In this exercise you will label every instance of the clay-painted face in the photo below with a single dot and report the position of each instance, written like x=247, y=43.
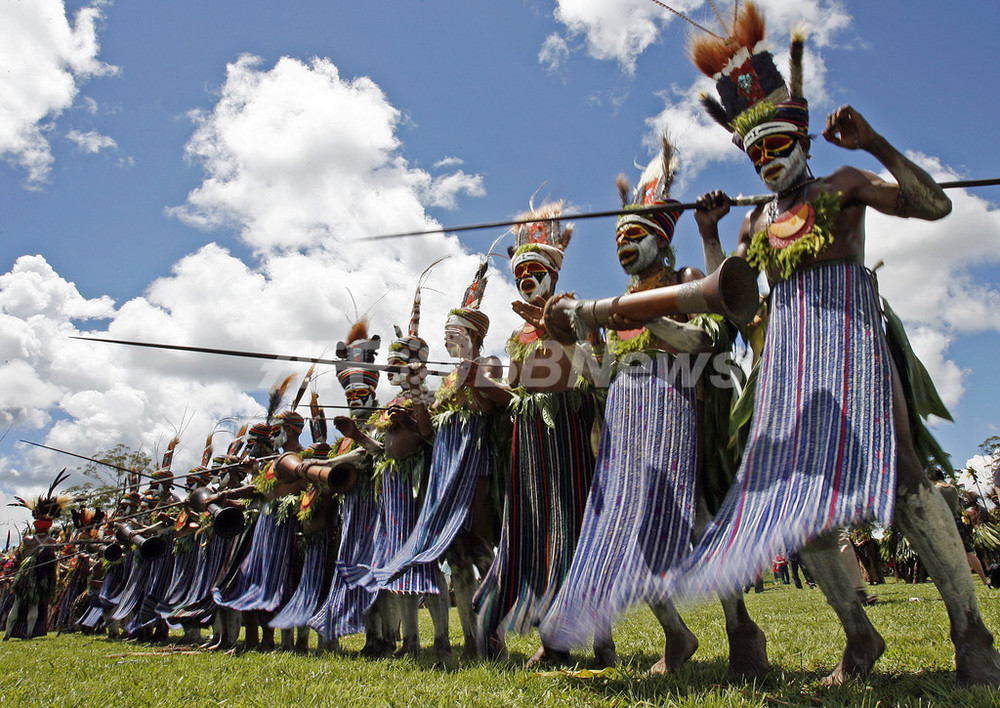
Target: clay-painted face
x=638, y=248
x=457, y=341
x=533, y=280
x=280, y=438
x=398, y=358
x=779, y=159
x=360, y=400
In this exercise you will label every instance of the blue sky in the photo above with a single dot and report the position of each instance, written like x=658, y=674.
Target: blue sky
x=194, y=173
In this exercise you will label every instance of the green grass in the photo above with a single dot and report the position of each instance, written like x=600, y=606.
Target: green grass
x=804, y=643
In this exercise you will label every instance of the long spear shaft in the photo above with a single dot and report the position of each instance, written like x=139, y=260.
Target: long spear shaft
x=339, y=363
x=142, y=474
x=752, y=200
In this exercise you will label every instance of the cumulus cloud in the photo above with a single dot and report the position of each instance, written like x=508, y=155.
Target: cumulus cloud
x=46, y=57
x=299, y=162
x=91, y=142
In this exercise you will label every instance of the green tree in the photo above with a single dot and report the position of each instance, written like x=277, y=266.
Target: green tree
x=108, y=479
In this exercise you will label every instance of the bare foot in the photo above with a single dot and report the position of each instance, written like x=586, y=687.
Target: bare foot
x=442, y=649
x=676, y=651
x=748, y=653
x=547, y=656
x=859, y=658
x=976, y=660
x=605, y=656
x=410, y=647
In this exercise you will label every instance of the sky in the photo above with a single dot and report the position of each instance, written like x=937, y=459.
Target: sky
x=198, y=173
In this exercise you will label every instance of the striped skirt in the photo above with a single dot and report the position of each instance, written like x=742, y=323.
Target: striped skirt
x=135, y=587
x=264, y=572
x=460, y=457
x=198, y=606
x=187, y=569
x=551, y=472
x=640, y=512
x=397, y=517
x=822, y=447
x=352, y=588
x=302, y=605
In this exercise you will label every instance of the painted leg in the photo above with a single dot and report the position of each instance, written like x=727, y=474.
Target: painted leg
x=929, y=526
x=287, y=639
x=302, y=643
x=15, y=612
x=463, y=584
x=408, y=605
x=251, y=638
x=605, y=655
x=439, y=606
x=747, y=643
x=864, y=644
x=679, y=641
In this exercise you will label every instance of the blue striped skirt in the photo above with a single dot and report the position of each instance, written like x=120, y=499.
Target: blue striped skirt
x=460, y=457
x=302, y=605
x=551, y=473
x=352, y=589
x=640, y=512
x=264, y=571
x=397, y=518
x=822, y=447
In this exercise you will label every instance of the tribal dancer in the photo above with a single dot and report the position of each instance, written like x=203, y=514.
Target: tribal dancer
x=404, y=432
x=458, y=518
x=641, y=513
x=35, y=580
x=261, y=584
x=313, y=546
x=79, y=570
x=350, y=605
x=832, y=440
x=552, y=463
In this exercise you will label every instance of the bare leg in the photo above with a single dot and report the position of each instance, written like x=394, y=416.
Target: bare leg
x=15, y=612
x=605, y=654
x=439, y=606
x=679, y=641
x=408, y=615
x=864, y=644
x=302, y=645
x=977, y=566
x=747, y=643
x=929, y=526
x=287, y=639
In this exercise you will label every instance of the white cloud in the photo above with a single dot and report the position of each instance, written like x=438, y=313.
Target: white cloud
x=300, y=162
x=91, y=142
x=45, y=58
x=449, y=162
x=553, y=53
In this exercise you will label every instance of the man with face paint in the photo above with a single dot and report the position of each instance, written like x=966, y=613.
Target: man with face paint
x=354, y=603
x=832, y=439
x=458, y=516
x=648, y=494
x=552, y=460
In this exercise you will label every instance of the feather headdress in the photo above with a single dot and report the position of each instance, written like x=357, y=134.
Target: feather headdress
x=469, y=315
x=47, y=506
x=544, y=241
x=754, y=100
x=653, y=189
x=411, y=347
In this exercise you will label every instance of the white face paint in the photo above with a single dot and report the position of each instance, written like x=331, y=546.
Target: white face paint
x=532, y=285
x=637, y=248
x=281, y=438
x=396, y=378
x=782, y=172
x=457, y=341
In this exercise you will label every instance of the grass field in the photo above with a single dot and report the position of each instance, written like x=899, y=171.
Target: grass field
x=804, y=643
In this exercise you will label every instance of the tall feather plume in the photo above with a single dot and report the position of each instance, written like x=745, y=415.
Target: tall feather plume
x=318, y=423
x=711, y=53
x=168, y=456
x=624, y=189
x=234, y=446
x=302, y=387
x=206, y=455
x=714, y=109
x=60, y=478
x=275, y=395
x=358, y=331
x=412, y=330
x=799, y=36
